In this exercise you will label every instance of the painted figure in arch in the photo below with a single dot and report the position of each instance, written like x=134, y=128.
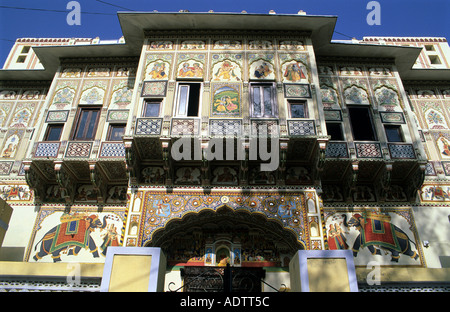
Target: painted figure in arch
x=158, y=71
x=263, y=70
x=226, y=72
x=295, y=72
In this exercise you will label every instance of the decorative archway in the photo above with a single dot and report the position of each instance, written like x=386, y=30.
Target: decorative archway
x=288, y=209
x=248, y=239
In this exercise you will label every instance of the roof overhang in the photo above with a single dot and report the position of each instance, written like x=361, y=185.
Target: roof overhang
x=134, y=24
x=50, y=57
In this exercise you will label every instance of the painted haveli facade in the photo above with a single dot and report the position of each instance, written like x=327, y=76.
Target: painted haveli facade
x=359, y=131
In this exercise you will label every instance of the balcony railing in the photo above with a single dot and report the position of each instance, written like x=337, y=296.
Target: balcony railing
x=112, y=150
x=47, y=150
x=148, y=126
x=336, y=150
x=301, y=127
x=402, y=151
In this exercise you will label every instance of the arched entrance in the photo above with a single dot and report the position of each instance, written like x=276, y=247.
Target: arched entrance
x=249, y=239
x=211, y=240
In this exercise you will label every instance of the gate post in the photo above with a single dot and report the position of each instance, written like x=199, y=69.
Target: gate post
x=134, y=269
x=227, y=279
x=323, y=270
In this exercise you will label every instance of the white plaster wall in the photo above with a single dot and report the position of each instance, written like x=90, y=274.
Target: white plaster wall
x=19, y=232
x=433, y=225
x=175, y=277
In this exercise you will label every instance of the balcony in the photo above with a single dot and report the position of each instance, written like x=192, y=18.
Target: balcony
x=64, y=168
x=387, y=171
x=149, y=150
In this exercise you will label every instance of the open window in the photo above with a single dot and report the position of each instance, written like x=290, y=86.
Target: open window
x=362, y=124
x=263, y=100
x=334, y=129
x=188, y=100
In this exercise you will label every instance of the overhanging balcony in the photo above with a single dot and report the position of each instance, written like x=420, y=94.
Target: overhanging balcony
x=59, y=171
x=389, y=172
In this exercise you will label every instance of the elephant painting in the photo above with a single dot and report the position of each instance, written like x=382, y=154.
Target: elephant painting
x=70, y=236
x=376, y=230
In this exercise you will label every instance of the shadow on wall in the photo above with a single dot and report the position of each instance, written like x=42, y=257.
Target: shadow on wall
x=12, y=253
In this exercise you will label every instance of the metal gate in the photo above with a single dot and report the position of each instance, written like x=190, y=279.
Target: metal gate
x=222, y=279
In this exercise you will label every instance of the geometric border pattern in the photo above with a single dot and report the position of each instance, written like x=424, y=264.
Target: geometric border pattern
x=446, y=166
x=368, y=150
x=78, y=149
x=185, y=126
x=336, y=149
x=264, y=127
x=5, y=167
x=112, y=149
x=301, y=127
x=430, y=171
x=225, y=126
x=47, y=149
x=150, y=126
x=402, y=151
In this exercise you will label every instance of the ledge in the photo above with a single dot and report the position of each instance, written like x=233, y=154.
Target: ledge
x=395, y=275
x=18, y=269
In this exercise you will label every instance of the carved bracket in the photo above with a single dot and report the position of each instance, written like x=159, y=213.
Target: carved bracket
x=66, y=182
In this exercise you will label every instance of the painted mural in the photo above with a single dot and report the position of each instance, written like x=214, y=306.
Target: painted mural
x=356, y=95
x=262, y=69
x=93, y=92
x=225, y=176
x=388, y=237
x=83, y=235
x=226, y=99
x=190, y=69
x=16, y=193
x=10, y=147
x=226, y=71
x=435, y=193
x=121, y=94
x=157, y=66
x=288, y=209
x=157, y=70
x=294, y=71
x=64, y=94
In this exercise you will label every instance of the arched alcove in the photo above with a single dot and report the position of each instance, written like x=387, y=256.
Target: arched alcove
x=263, y=242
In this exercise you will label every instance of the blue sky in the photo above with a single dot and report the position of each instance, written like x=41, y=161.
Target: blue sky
x=48, y=19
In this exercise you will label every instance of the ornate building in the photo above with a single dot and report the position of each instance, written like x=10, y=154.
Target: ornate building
x=227, y=139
